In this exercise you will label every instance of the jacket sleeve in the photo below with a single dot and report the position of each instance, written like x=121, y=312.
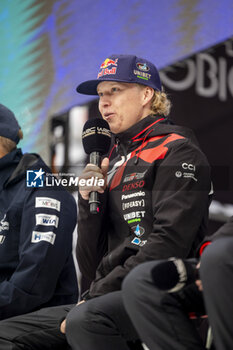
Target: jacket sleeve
x=180, y=201
x=45, y=243
x=92, y=236
x=224, y=230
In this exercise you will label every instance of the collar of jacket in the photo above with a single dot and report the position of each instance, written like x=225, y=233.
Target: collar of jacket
x=13, y=166
x=8, y=163
x=130, y=138
x=27, y=161
x=10, y=158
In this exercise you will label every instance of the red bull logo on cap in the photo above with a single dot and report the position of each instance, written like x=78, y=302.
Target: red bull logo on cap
x=104, y=67
x=108, y=62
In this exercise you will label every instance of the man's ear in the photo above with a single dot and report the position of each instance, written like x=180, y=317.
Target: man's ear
x=148, y=94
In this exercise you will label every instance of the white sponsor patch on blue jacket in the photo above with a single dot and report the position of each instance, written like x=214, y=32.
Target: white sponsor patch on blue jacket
x=4, y=225
x=47, y=202
x=2, y=239
x=47, y=220
x=43, y=236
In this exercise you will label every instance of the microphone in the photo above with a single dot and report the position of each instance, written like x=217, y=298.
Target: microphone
x=174, y=274
x=96, y=138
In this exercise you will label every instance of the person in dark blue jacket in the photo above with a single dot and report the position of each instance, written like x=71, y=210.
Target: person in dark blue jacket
x=36, y=230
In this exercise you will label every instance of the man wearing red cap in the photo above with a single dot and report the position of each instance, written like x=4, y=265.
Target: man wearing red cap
x=154, y=204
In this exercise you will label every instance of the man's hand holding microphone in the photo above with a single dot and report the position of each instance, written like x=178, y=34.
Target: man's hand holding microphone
x=96, y=172
x=96, y=138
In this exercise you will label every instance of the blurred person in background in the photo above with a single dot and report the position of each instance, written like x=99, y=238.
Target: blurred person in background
x=36, y=229
x=216, y=272
x=159, y=296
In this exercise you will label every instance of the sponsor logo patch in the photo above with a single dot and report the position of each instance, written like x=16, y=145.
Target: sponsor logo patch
x=187, y=166
x=138, y=230
x=189, y=171
x=4, y=225
x=43, y=236
x=134, y=214
x=178, y=174
x=46, y=202
x=109, y=62
x=138, y=241
x=143, y=66
x=133, y=186
x=105, y=67
x=185, y=175
x=2, y=239
x=47, y=220
x=132, y=204
x=134, y=176
x=131, y=195
x=142, y=75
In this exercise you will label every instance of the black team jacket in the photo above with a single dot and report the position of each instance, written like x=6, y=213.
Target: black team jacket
x=155, y=205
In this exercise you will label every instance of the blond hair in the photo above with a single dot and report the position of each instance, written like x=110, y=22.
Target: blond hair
x=7, y=144
x=160, y=104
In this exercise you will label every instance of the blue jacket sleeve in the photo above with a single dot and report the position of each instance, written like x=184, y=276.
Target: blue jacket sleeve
x=45, y=243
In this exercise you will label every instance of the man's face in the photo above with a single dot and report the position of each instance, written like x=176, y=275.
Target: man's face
x=121, y=104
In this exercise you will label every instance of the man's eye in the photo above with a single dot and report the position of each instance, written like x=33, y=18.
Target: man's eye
x=115, y=89
x=100, y=94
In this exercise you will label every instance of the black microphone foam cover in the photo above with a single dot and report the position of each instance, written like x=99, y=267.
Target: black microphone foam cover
x=165, y=275
x=173, y=274
x=96, y=136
